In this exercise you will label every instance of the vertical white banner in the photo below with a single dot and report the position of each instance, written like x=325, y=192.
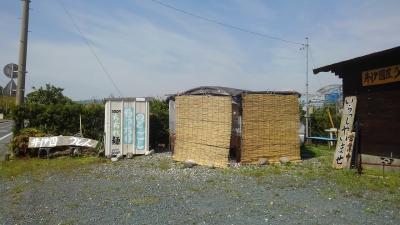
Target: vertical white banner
x=341, y=158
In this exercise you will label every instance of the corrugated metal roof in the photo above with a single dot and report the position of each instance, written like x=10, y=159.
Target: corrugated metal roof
x=130, y=99
x=227, y=91
x=213, y=90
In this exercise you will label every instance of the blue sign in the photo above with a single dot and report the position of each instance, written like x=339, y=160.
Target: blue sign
x=332, y=97
x=128, y=126
x=140, y=131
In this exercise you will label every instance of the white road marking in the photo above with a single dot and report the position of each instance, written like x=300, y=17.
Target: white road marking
x=5, y=136
x=6, y=125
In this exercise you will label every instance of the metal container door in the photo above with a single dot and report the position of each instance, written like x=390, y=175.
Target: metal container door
x=116, y=128
x=141, y=127
x=128, y=127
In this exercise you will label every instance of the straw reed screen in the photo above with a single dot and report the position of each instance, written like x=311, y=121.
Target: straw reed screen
x=203, y=129
x=270, y=127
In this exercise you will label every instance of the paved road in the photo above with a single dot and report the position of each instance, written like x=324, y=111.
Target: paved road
x=5, y=137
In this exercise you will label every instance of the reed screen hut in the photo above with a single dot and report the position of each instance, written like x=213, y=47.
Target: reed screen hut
x=214, y=125
x=270, y=126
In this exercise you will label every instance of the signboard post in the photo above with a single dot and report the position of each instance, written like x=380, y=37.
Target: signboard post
x=342, y=157
x=11, y=70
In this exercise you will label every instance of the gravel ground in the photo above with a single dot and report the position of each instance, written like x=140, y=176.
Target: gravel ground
x=155, y=190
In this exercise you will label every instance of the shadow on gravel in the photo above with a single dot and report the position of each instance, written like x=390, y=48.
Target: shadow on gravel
x=161, y=149
x=306, y=153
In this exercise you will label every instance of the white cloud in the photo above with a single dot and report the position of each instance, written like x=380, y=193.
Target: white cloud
x=159, y=51
x=143, y=59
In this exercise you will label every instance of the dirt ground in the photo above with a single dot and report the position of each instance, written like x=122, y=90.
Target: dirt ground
x=156, y=190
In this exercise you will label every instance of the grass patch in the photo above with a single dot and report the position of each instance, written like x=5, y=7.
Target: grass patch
x=18, y=189
x=67, y=222
x=147, y=200
x=253, y=171
x=194, y=189
x=233, y=193
x=16, y=192
x=311, y=151
x=164, y=165
x=72, y=206
x=18, y=167
x=370, y=185
x=211, y=182
x=151, y=178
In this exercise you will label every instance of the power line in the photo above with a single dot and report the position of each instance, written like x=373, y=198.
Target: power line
x=312, y=58
x=313, y=65
x=225, y=24
x=87, y=42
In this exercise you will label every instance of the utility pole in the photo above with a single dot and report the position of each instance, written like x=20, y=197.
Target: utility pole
x=22, y=53
x=307, y=106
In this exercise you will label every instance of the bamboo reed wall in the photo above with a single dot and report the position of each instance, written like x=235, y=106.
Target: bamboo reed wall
x=270, y=127
x=203, y=129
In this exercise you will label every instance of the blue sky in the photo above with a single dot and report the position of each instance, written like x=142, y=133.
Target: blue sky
x=150, y=50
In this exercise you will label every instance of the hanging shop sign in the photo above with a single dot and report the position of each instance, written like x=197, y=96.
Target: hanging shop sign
x=383, y=75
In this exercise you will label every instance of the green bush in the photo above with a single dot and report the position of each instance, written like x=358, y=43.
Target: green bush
x=319, y=120
x=60, y=119
x=19, y=143
x=48, y=112
x=48, y=95
x=93, y=121
x=159, y=122
x=6, y=103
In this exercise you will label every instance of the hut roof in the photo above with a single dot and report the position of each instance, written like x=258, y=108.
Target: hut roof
x=226, y=91
x=129, y=99
x=213, y=90
x=362, y=63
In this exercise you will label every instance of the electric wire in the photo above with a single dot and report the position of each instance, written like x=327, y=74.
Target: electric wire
x=87, y=42
x=225, y=24
x=313, y=65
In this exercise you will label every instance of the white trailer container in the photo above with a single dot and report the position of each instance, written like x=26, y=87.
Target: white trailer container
x=126, y=126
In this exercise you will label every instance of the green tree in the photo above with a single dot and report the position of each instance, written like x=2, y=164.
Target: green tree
x=159, y=133
x=319, y=120
x=49, y=95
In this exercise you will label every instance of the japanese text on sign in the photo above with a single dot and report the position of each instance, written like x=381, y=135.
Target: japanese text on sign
x=346, y=127
x=140, y=131
x=381, y=76
x=116, y=127
x=49, y=142
x=128, y=125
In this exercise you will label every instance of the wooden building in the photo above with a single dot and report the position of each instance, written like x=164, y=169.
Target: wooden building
x=375, y=80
